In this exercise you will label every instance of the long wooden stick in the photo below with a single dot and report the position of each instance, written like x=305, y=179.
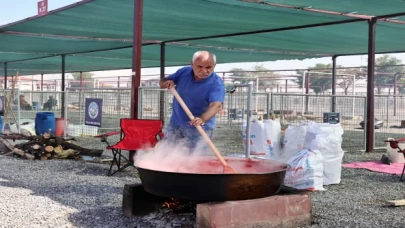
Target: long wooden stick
x=199, y=128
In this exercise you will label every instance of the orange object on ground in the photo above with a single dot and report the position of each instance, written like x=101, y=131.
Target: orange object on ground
x=60, y=125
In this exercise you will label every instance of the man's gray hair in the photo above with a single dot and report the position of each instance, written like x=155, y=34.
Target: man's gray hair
x=201, y=53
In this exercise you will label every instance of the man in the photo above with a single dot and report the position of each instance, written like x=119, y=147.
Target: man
x=50, y=103
x=24, y=105
x=203, y=92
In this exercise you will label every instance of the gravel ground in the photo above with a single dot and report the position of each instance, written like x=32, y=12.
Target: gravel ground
x=66, y=193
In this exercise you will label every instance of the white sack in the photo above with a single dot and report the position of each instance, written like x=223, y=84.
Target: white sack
x=294, y=139
x=306, y=171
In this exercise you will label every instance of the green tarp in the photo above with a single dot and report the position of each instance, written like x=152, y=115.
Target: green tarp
x=100, y=25
x=121, y=59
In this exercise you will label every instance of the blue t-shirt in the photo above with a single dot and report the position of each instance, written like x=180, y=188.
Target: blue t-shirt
x=197, y=95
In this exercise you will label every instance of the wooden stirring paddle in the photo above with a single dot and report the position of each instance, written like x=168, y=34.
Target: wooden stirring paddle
x=227, y=168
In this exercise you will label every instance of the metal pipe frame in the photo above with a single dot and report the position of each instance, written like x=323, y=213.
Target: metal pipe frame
x=395, y=92
x=5, y=75
x=162, y=76
x=63, y=86
x=333, y=109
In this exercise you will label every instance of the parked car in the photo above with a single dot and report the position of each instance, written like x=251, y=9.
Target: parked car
x=377, y=123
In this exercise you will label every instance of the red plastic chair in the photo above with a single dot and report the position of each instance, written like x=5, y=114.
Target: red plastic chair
x=135, y=135
x=394, y=144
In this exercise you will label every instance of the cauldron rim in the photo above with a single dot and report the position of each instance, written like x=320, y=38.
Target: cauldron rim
x=282, y=164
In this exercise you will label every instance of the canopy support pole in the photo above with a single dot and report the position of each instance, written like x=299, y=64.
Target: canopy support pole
x=62, y=111
x=334, y=83
x=162, y=76
x=136, y=58
x=5, y=75
x=369, y=122
x=42, y=82
x=136, y=63
x=395, y=92
x=307, y=84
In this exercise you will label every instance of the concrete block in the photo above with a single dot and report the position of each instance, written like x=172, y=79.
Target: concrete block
x=292, y=210
x=136, y=201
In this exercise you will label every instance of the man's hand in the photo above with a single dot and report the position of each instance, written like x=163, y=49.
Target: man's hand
x=168, y=84
x=197, y=121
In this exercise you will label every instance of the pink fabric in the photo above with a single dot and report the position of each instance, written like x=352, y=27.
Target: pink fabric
x=377, y=166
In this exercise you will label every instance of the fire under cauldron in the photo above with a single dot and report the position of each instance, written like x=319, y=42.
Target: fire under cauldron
x=256, y=178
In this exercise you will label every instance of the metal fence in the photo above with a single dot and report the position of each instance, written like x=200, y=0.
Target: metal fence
x=295, y=108
x=290, y=108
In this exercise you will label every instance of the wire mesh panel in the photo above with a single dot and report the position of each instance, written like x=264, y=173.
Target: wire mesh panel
x=115, y=105
x=294, y=108
x=228, y=132
x=389, y=119
x=24, y=105
x=11, y=107
x=155, y=103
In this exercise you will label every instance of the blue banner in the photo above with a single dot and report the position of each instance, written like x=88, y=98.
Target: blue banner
x=93, y=112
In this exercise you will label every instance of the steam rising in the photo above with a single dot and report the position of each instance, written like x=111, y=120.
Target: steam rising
x=172, y=157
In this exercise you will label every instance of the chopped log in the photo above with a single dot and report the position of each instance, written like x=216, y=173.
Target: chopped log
x=48, y=149
x=43, y=158
x=58, y=149
x=16, y=150
x=46, y=136
x=39, y=146
x=36, y=147
x=396, y=203
x=81, y=150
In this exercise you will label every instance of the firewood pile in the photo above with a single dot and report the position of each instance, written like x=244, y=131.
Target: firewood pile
x=43, y=147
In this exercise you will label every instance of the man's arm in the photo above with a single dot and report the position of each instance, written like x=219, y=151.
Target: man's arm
x=162, y=81
x=212, y=110
x=166, y=83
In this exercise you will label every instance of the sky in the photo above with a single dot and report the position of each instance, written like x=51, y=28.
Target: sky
x=14, y=10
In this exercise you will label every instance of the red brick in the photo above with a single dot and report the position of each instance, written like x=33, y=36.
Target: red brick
x=292, y=210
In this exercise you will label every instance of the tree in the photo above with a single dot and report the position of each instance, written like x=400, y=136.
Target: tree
x=321, y=77
x=259, y=73
x=319, y=82
x=267, y=79
x=88, y=81
x=344, y=77
x=385, y=70
x=240, y=75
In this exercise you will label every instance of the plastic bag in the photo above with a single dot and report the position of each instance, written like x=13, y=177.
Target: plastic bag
x=329, y=142
x=272, y=129
x=327, y=138
x=264, y=138
x=257, y=140
x=294, y=139
x=27, y=127
x=306, y=171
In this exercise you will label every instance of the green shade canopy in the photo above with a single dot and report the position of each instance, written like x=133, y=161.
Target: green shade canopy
x=97, y=35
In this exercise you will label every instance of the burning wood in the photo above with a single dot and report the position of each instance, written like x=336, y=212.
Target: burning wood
x=44, y=147
x=180, y=206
